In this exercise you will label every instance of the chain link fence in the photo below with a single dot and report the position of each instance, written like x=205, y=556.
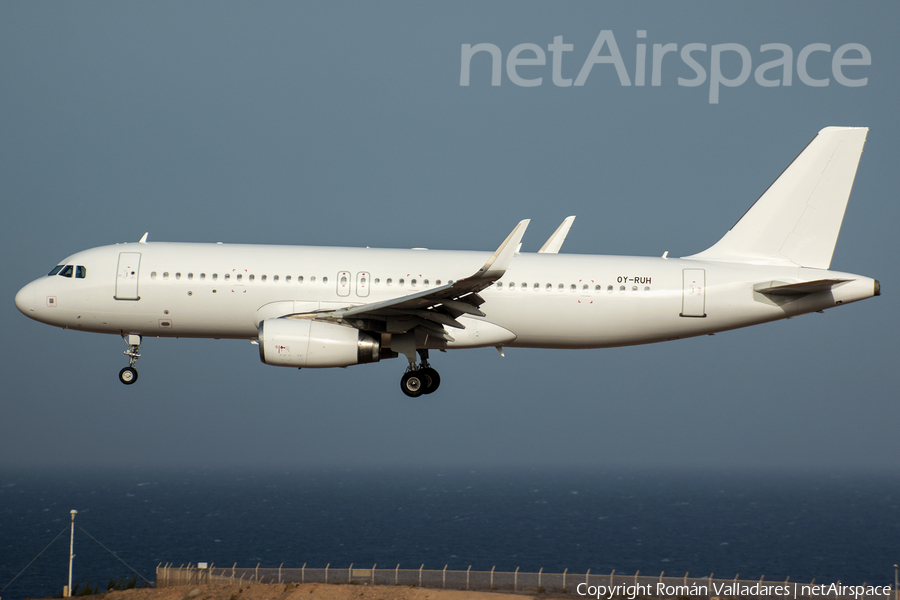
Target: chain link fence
x=599, y=586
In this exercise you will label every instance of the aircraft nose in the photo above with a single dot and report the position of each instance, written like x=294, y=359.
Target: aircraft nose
x=25, y=300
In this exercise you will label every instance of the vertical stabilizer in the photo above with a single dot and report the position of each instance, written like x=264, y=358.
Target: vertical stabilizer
x=798, y=219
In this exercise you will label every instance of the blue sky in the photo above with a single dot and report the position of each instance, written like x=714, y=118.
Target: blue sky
x=346, y=124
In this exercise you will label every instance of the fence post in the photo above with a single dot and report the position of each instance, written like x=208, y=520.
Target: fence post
x=326, y=572
x=256, y=576
x=397, y=574
x=541, y=572
x=350, y=573
x=279, y=572
x=564, y=578
x=373, y=573
x=303, y=573
x=444, y=578
x=685, y=578
x=516, y=580
x=611, y=578
x=420, y=574
x=470, y=568
x=587, y=578
x=660, y=576
x=232, y=572
x=492, y=577
x=636, y=574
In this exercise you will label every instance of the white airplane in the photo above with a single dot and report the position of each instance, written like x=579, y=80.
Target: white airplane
x=313, y=307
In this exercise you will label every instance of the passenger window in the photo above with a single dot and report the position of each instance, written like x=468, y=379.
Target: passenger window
x=239, y=277
x=634, y=288
x=437, y=282
x=343, y=280
x=153, y=275
x=524, y=286
x=377, y=281
x=400, y=281
x=287, y=279
x=548, y=287
x=227, y=276
x=537, y=286
x=165, y=274
x=177, y=275
x=190, y=276
x=215, y=276
x=584, y=288
x=324, y=280
x=202, y=276
x=560, y=287
x=252, y=278
x=425, y=283
x=647, y=289
x=572, y=287
x=621, y=289
x=499, y=285
x=299, y=278
x=311, y=279
x=275, y=278
x=511, y=285
x=412, y=282
x=609, y=290
x=55, y=270
x=263, y=278
x=597, y=288
x=389, y=281
x=80, y=272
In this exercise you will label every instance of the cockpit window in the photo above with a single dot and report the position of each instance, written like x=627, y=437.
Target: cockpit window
x=80, y=272
x=67, y=271
x=55, y=270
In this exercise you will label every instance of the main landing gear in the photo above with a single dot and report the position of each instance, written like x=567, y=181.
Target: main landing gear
x=420, y=379
x=129, y=374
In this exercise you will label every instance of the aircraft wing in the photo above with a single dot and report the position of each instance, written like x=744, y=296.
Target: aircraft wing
x=431, y=309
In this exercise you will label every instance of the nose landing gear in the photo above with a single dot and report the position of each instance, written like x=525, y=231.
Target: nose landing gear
x=129, y=374
x=420, y=379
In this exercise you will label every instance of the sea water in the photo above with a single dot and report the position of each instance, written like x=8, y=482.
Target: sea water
x=831, y=527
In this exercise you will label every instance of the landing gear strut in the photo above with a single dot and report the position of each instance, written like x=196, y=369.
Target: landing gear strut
x=420, y=379
x=129, y=374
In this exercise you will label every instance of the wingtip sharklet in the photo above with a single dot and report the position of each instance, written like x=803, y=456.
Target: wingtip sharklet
x=497, y=264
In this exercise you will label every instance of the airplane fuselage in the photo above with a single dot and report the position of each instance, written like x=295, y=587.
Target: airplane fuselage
x=542, y=301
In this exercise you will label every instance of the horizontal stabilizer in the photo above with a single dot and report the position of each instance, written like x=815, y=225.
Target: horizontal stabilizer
x=797, y=220
x=774, y=288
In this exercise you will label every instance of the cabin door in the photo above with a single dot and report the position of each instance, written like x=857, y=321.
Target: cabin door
x=694, y=293
x=127, y=276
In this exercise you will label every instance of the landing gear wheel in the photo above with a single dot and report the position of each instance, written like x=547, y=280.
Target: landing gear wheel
x=432, y=379
x=128, y=375
x=412, y=384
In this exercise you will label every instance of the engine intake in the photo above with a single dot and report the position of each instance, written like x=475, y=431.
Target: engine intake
x=313, y=344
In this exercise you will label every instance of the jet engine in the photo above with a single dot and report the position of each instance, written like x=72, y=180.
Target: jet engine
x=314, y=344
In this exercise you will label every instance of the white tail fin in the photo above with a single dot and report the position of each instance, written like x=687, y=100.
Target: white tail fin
x=798, y=219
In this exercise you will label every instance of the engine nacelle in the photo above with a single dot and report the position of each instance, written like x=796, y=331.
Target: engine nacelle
x=313, y=344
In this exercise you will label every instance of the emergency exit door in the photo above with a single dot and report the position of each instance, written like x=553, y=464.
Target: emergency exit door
x=693, y=302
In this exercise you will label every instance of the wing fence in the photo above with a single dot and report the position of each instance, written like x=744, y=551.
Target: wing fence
x=594, y=585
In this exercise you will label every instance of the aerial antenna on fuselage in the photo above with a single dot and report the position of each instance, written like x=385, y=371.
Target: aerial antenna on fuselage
x=143, y=239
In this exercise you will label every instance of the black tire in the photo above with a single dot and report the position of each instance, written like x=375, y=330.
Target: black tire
x=412, y=384
x=432, y=380
x=128, y=375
